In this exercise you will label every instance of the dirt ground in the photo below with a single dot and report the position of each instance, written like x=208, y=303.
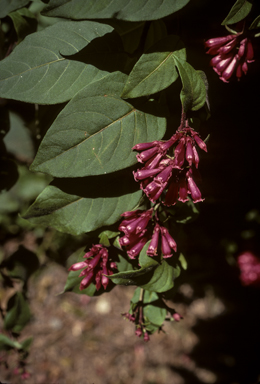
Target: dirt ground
x=85, y=340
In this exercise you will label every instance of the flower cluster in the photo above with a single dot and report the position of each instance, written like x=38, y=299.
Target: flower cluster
x=233, y=53
x=95, y=267
x=138, y=319
x=137, y=232
x=249, y=266
x=173, y=175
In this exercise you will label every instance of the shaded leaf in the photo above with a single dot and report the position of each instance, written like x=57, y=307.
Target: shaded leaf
x=130, y=33
x=24, y=22
x=156, y=32
x=7, y=6
x=21, y=264
x=37, y=72
x=193, y=93
x=18, y=313
x=156, y=68
x=7, y=343
x=95, y=132
x=25, y=345
x=131, y=10
x=75, y=214
x=238, y=12
x=256, y=23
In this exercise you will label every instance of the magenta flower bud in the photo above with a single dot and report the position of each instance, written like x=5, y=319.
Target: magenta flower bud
x=152, y=249
x=245, y=67
x=189, y=153
x=143, y=146
x=227, y=48
x=200, y=142
x=146, y=155
x=172, y=194
x=145, y=173
x=94, y=262
x=164, y=175
x=215, y=60
x=242, y=48
x=98, y=278
x=194, y=190
x=136, y=249
x=169, y=238
x=131, y=214
x=218, y=41
x=139, y=332
x=166, y=249
x=228, y=72
x=113, y=265
x=105, y=281
x=239, y=71
x=183, y=190
x=87, y=280
x=249, y=51
x=154, y=161
x=222, y=65
x=146, y=337
x=195, y=156
x=179, y=152
x=177, y=316
x=78, y=266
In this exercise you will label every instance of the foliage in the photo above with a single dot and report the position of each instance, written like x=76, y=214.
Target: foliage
x=99, y=81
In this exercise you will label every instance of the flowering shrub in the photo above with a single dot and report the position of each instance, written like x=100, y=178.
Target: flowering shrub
x=119, y=167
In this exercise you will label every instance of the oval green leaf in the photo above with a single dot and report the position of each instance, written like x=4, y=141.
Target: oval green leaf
x=95, y=132
x=156, y=68
x=76, y=215
x=131, y=10
x=36, y=72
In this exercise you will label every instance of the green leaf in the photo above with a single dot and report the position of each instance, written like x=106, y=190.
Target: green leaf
x=18, y=313
x=73, y=283
x=24, y=22
x=193, y=93
x=75, y=214
x=129, y=32
x=156, y=32
x=183, y=261
x=21, y=264
x=152, y=276
x=105, y=236
x=6, y=343
x=156, y=68
x=25, y=345
x=131, y=10
x=37, y=71
x=95, y=132
x=256, y=23
x=7, y=6
x=238, y=12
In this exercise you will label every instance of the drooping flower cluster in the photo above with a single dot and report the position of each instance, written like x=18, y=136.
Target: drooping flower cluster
x=162, y=173
x=137, y=231
x=249, y=266
x=233, y=53
x=137, y=318
x=96, y=266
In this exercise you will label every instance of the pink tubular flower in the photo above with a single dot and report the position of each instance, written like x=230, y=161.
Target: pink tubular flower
x=134, y=227
x=95, y=267
x=167, y=242
x=160, y=173
x=233, y=53
x=249, y=266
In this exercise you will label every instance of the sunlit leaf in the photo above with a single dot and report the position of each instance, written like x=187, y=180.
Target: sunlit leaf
x=75, y=214
x=37, y=71
x=95, y=132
